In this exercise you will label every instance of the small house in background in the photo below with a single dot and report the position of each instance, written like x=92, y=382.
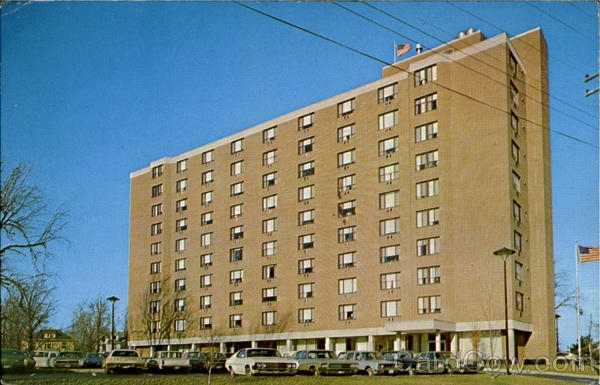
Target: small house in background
x=52, y=339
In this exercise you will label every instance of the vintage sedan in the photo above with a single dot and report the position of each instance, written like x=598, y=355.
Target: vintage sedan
x=445, y=362
x=323, y=362
x=252, y=361
x=123, y=359
x=13, y=360
x=69, y=359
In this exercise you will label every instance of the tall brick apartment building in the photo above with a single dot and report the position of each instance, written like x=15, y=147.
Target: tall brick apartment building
x=365, y=221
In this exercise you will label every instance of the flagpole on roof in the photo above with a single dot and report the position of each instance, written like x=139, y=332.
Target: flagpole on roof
x=395, y=50
x=577, y=304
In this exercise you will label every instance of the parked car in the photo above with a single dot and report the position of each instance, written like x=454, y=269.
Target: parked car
x=44, y=358
x=203, y=361
x=13, y=360
x=445, y=362
x=68, y=359
x=404, y=359
x=93, y=360
x=371, y=362
x=168, y=361
x=253, y=361
x=323, y=362
x=123, y=360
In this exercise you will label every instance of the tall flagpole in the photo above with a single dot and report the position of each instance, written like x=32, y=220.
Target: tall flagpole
x=395, y=50
x=577, y=304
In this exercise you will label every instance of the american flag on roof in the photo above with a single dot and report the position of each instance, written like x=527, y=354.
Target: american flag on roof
x=402, y=49
x=588, y=254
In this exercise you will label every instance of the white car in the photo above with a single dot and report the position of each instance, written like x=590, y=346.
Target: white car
x=252, y=361
x=44, y=358
x=123, y=359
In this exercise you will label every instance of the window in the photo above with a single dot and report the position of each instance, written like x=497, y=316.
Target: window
x=180, y=284
x=389, y=173
x=306, y=145
x=155, y=326
x=519, y=272
x=306, y=217
x=235, y=321
x=306, y=290
x=181, y=165
x=269, y=318
x=427, y=160
x=155, y=287
x=268, y=271
x=269, y=294
x=346, y=312
x=346, y=260
x=181, y=205
x=269, y=134
x=427, y=188
x=389, y=253
x=345, y=107
x=207, y=157
x=205, y=323
x=347, y=286
x=428, y=275
x=347, y=234
x=306, y=169
x=236, y=276
x=389, y=281
x=237, y=146
x=347, y=208
x=346, y=133
x=236, y=189
x=519, y=301
x=516, y=181
x=306, y=193
x=181, y=224
x=269, y=248
x=236, y=298
x=154, y=307
x=346, y=158
x=389, y=226
x=156, y=228
x=390, y=308
x=207, y=177
x=269, y=157
x=157, y=171
x=157, y=209
x=206, y=260
x=206, y=198
x=155, y=248
x=429, y=217
x=206, y=239
x=236, y=168
x=388, y=120
x=180, y=264
x=425, y=75
x=426, y=132
x=181, y=185
x=269, y=179
x=514, y=123
x=387, y=93
x=236, y=211
x=428, y=246
x=515, y=153
x=514, y=93
x=513, y=66
x=236, y=232
x=517, y=242
x=306, y=315
x=432, y=304
x=425, y=104
x=269, y=225
x=236, y=254
x=389, y=199
x=306, y=241
x=517, y=212
x=206, y=280
x=270, y=202
x=305, y=121
x=206, y=218
x=205, y=301
x=179, y=305
x=306, y=266
x=345, y=184
x=157, y=190
x=180, y=244
x=388, y=146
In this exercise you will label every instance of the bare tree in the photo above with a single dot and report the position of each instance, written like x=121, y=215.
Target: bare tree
x=91, y=321
x=27, y=226
x=563, y=297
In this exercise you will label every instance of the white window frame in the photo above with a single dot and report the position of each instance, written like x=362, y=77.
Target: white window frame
x=388, y=120
x=389, y=226
x=390, y=281
x=347, y=286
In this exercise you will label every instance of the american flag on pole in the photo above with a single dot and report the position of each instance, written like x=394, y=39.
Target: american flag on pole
x=588, y=254
x=402, y=49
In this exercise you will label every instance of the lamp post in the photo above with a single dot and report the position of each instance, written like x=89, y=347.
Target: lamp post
x=112, y=300
x=556, y=317
x=504, y=253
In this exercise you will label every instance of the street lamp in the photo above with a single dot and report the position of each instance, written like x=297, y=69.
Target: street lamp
x=556, y=317
x=112, y=300
x=504, y=253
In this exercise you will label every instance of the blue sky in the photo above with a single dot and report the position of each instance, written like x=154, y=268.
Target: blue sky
x=92, y=91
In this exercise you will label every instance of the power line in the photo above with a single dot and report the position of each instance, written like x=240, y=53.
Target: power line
x=557, y=19
x=335, y=42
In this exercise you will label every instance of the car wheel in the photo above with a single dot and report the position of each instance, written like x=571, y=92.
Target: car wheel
x=248, y=371
x=231, y=372
x=370, y=371
x=313, y=371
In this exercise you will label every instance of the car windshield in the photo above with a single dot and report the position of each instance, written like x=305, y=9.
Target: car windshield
x=70, y=355
x=124, y=353
x=320, y=354
x=40, y=354
x=263, y=353
x=370, y=356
